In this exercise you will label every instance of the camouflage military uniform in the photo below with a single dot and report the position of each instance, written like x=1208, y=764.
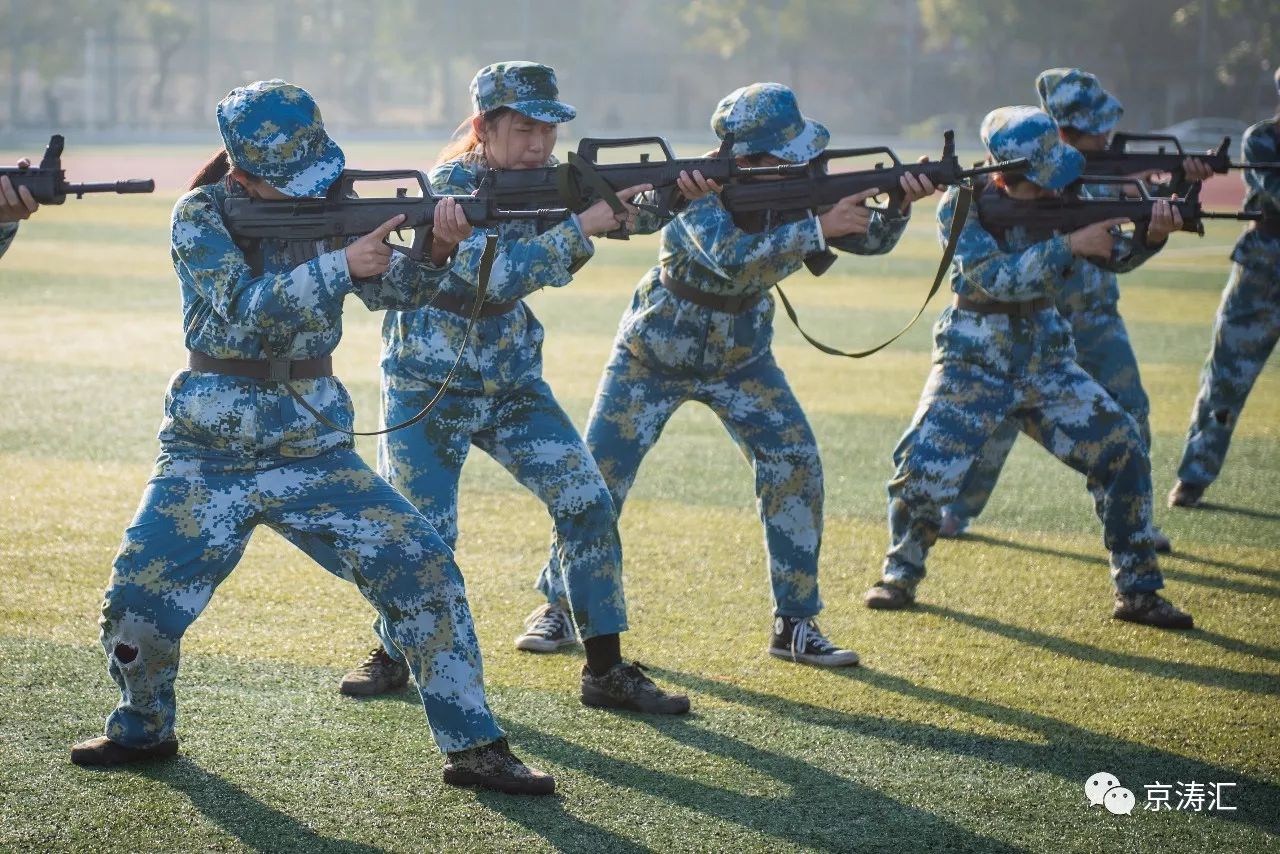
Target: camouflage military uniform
x=669, y=351
x=1248, y=321
x=8, y=230
x=236, y=453
x=1088, y=297
x=499, y=401
x=993, y=367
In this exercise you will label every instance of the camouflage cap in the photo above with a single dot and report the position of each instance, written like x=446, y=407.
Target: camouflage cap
x=1012, y=132
x=764, y=118
x=1077, y=100
x=529, y=88
x=272, y=129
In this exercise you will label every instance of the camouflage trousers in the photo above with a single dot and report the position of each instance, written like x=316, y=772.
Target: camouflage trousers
x=529, y=434
x=761, y=414
x=1104, y=351
x=1244, y=334
x=189, y=532
x=1062, y=408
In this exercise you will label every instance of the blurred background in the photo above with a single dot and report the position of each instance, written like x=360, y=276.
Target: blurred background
x=151, y=70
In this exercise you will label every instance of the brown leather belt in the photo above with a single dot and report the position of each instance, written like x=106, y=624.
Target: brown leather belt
x=1013, y=309
x=732, y=305
x=459, y=305
x=267, y=370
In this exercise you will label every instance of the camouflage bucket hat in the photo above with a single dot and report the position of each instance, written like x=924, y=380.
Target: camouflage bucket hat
x=272, y=129
x=1012, y=132
x=1077, y=100
x=764, y=118
x=529, y=88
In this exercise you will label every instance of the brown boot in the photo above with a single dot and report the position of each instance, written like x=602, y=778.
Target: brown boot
x=377, y=674
x=886, y=596
x=104, y=751
x=1186, y=495
x=1151, y=609
x=494, y=766
x=625, y=686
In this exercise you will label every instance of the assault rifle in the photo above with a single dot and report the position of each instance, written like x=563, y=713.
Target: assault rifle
x=48, y=185
x=816, y=188
x=1070, y=211
x=1118, y=159
x=546, y=193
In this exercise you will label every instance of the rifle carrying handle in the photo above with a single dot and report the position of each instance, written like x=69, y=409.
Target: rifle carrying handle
x=589, y=147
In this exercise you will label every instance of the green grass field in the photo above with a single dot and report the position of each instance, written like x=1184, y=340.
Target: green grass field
x=972, y=725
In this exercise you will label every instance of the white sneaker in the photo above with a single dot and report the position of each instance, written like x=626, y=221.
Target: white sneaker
x=547, y=629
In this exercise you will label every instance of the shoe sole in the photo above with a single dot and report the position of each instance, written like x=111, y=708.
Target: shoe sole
x=849, y=659
x=507, y=787
x=878, y=604
x=604, y=701
x=359, y=691
x=1178, y=626
x=96, y=759
x=529, y=643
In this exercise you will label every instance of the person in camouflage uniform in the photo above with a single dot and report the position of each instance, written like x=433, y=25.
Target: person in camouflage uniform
x=1246, y=327
x=499, y=401
x=1088, y=299
x=700, y=328
x=237, y=451
x=1002, y=351
x=16, y=204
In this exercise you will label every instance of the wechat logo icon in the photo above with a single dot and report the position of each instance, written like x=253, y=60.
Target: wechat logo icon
x=1104, y=789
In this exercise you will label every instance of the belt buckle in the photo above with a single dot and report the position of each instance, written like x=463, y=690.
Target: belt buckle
x=278, y=370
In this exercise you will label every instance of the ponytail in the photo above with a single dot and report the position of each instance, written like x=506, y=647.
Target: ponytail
x=213, y=171
x=465, y=140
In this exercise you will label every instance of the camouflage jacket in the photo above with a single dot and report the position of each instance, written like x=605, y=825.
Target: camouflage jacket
x=7, y=232
x=705, y=249
x=1261, y=143
x=1014, y=268
x=288, y=294
x=505, y=351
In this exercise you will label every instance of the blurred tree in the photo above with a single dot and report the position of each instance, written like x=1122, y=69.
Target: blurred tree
x=168, y=26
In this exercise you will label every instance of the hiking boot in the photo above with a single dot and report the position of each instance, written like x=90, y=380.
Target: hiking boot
x=494, y=766
x=800, y=640
x=104, y=751
x=1186, y=494
x=887, y=596
x=1150, y=609
x=952, y=525
x=377, y=674
x=624, y=686
x=1160, y=541
x=547, y=629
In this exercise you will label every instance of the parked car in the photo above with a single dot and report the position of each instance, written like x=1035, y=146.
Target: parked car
x=1205, y=133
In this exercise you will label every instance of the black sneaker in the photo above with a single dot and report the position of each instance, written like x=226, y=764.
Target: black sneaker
x=624, y=686
x=494, y=766
x=104, y=751
x=1151, y=609
x=377, y=674
x=547, y=629
x=800, y=640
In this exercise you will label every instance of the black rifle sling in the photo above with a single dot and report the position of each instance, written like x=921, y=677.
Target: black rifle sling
x=957, y=225
x=482, y=289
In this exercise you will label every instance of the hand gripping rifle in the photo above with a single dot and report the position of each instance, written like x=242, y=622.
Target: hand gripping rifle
x=1117, y=158
x=818, y=189
x=1070, y=211
x=48, y=185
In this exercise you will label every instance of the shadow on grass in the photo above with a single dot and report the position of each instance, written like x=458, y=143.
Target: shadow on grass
x=819, y=810
x=239, y=814
x=1069, y=752
x=1200, y=674
x=1169, y=572
x=1239, y=511
x=547, y=817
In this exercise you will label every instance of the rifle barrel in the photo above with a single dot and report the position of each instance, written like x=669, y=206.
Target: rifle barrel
x=133, y=185
x=1020, y=164
x=1267, y=165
